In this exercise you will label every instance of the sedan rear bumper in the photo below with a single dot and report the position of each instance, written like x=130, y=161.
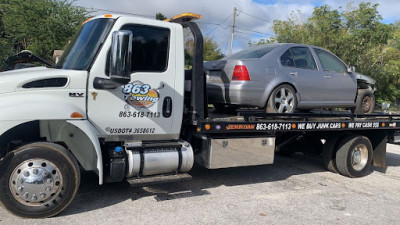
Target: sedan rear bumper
x=237, y=93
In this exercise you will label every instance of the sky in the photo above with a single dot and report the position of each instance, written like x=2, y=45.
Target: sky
x=253, y=21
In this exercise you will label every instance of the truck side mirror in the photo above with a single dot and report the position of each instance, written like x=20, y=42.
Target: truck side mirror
x=351, y=69
x=120, y=56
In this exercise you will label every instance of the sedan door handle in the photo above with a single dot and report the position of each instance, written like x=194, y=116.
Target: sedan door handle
x=293, y=74
x=327, y=76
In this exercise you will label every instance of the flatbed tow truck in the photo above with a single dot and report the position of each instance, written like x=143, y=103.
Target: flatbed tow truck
x=118, y=104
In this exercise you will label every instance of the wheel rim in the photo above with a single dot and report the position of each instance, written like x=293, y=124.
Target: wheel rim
x=284, y=100
x=359, y=157
x=36, y=182
x=366, y=104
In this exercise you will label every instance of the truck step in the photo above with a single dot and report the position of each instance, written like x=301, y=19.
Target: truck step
x=159, y=179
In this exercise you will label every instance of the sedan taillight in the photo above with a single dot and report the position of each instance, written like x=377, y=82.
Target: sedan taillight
x=240, y=73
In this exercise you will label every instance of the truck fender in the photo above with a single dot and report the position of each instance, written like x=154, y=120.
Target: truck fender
x=78, y=147
x=79, y=136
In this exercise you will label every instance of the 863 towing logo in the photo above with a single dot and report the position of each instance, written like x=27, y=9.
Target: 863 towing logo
x=140, y=95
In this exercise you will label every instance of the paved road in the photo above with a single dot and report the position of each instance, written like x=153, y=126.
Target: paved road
x=294, y=190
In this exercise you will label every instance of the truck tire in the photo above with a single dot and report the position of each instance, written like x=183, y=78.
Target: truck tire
x=354, y=156
x=283, y=99
x=365, y=102
x=39, y=181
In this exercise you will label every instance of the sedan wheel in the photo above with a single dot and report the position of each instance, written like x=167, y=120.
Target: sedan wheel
x=282, y=100
x=365, y=102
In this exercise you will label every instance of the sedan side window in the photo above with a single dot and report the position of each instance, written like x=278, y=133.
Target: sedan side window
x=299, y=57
x=330, y=62
x=287, y=59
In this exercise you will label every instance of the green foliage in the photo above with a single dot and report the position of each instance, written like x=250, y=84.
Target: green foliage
x=356, y=35
x=40, y=26
x=263, y=41
x=5, y=48
x=160, y=16
x=211, y=50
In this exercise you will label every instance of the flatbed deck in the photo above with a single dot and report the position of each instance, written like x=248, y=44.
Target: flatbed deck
x=257, y=121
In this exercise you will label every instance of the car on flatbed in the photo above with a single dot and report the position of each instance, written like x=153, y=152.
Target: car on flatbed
x=283, y=77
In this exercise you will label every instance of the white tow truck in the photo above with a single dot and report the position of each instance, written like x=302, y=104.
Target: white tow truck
x=120, y=103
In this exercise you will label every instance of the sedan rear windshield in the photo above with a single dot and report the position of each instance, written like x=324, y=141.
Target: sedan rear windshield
x=256, y=52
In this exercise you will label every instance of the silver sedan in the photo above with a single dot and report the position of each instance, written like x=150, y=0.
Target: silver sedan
x=284, y=77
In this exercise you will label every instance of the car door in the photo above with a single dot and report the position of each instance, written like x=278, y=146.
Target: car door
x=340, y=86
x=143, y=108
x=299, y=64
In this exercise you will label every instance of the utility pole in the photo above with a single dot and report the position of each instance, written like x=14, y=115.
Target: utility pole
x=233, y=30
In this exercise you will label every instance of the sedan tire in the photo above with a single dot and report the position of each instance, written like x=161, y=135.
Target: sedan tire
x=365, y=102
x=282, y=100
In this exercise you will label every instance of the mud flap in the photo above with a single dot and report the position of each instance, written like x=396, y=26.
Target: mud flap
x=379, y=141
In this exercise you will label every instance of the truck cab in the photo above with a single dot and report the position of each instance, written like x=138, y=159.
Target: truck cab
x=119, y=85
x=156, y=78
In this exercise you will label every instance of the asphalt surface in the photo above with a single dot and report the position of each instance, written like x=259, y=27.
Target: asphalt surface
x=295, y=190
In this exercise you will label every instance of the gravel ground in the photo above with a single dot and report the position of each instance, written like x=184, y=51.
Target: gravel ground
x=295, y=190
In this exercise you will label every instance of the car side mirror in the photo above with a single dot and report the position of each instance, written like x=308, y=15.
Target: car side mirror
x=351, y=69
x=120, y=57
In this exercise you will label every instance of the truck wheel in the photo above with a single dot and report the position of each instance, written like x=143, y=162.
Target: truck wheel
x=354, y=156
x=282, y=100
x=40, y=180
x=365, y=102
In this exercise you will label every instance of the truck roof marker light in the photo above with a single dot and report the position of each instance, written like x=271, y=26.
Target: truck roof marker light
x=383, y=124
x=343, y=125
x=87, y=20
x=207, y=126
x=184, y=17
x=198, y=129
x=108, y=15
x=76, y=115
x=294, y=126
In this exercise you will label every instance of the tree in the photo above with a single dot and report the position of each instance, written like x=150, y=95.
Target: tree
x=40, y=26
x=160, y=16
x=5, y=49
x=211, y=50
x=267, y=41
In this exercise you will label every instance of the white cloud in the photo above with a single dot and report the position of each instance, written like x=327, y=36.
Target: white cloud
x=216, y=11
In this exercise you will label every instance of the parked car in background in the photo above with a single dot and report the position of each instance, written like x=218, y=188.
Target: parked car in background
x=284, y=77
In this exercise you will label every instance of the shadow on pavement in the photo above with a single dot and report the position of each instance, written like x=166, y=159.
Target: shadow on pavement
x=92, y=196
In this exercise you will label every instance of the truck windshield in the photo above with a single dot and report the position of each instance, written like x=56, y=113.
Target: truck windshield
x=85, y=44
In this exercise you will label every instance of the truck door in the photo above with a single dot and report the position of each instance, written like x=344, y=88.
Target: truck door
x=143, y=109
